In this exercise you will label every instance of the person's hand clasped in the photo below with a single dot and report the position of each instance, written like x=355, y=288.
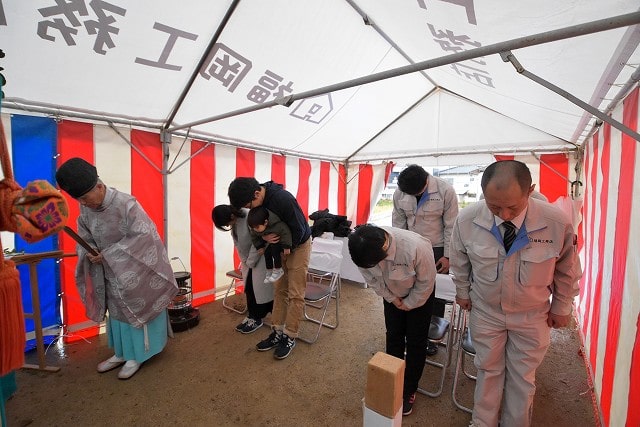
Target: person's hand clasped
x=442, y=265
x=558, y=321
x=95, y=259
x=399, y=303
x=271, y=238
x=465, y=304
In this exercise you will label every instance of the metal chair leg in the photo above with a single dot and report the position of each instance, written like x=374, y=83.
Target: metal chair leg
x=235, y=277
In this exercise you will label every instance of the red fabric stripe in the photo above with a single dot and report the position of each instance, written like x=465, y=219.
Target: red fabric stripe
x=146, y=181
x=278, y=169
x=500, y=158
x=591, y=220
x=304, y=172
x=74, y=140
x=245, y=162
x=554, y=170
x=202, y=199
x=323, y=200
x=604, y=202
x=633, y=407
x=620, y=251
x=342, y=190
x=365, y=180
x=387, y=173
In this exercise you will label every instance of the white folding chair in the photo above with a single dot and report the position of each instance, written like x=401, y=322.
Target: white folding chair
x=323, y=284
x=236, y=277
x=465, y=350
x=441, y=331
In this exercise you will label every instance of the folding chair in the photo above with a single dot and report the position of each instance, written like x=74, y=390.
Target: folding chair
x=465, y=349
x=441, y=331
x=323, y=284
x=236, y=277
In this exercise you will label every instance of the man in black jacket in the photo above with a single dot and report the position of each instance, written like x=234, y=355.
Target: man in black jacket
x=288, y=302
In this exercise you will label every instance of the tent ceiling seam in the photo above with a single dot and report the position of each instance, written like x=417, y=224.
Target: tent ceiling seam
x=405, y=112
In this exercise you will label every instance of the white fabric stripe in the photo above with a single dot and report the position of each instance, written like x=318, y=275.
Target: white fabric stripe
x=377, y=184
x=263, y=166
x=81, y=326
x=586, y=259
x=630, y=308
x=292, y=174
x=113, y=157
x=225, y=172
x=210, y=292
x=314, y=186
x=178, y=237
x=333, y=188
x=595, y=258
x=8, y=238
x=609, y=243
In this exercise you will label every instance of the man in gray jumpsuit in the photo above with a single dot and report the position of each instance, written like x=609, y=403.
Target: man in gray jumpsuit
x=515, y=267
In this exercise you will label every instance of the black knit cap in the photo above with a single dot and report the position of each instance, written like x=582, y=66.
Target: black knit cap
x=77, y=177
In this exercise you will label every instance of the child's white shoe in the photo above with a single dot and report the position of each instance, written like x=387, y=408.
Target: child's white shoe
x=277, y=274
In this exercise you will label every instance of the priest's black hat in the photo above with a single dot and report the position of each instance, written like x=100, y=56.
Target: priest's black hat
x=77, y=177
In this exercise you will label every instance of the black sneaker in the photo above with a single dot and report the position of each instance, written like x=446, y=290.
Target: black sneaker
x=432, y=348
x=240, y=325
x=251, y=326
x=270, y=342
x=285, y=346
x=407, y=404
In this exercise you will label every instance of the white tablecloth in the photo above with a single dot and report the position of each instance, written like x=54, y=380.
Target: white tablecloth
x=445, y=289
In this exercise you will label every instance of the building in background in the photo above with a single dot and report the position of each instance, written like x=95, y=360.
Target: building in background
x=465, y=180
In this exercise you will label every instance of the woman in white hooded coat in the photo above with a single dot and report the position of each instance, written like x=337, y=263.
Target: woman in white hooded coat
x=259, y=294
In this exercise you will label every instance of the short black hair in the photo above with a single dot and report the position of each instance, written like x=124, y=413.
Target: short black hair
x=222, y=215
x=242, y=191
x=507, y=169
x=365, y=245
x=257, y=216
x=412, y=179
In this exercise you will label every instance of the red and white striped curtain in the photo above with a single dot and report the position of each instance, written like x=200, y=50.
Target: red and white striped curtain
x=365, y=183
x=198, y=178
x=609, y=300
x=550, y=173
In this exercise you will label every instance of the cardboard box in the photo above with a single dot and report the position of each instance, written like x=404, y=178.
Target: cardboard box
x=385, y=378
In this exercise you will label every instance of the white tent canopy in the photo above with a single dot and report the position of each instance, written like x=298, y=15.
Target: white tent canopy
x=169, y=65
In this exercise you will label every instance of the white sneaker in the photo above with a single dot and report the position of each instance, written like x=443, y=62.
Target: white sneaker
x=277, y=274
x=129, y=368
x=267, y=279
x=109, y=364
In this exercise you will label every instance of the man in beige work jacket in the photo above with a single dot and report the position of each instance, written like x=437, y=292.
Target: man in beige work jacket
x=515, y=267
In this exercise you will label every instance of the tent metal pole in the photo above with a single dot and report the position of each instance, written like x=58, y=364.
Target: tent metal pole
x=628, y=44
x=137, y=150
x=509, y=57
x=491, y=151
x=533, y=40
x=203, y=60
x=165, y=192
x=635, y=77
x=388, y=39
